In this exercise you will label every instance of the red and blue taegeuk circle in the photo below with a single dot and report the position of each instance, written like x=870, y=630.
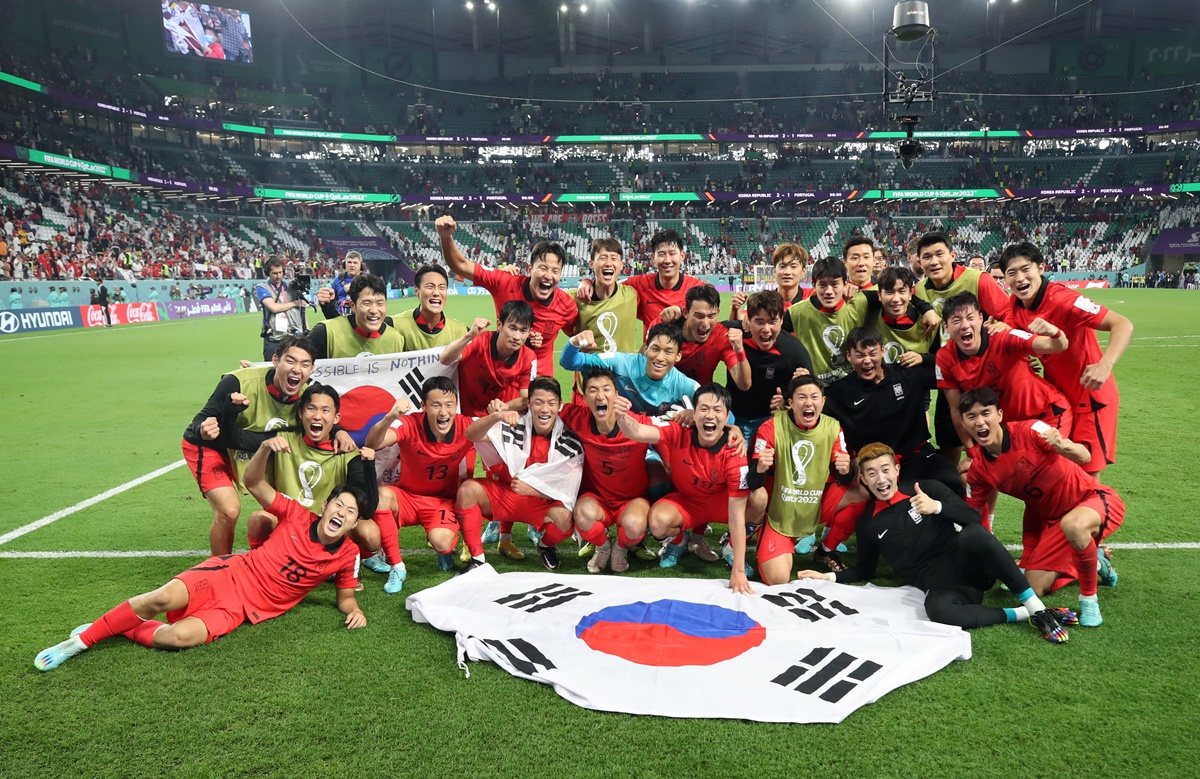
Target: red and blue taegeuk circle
x=361, y=408
x=670, y=633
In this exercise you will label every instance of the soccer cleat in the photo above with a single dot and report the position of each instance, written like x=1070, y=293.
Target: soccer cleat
x=549, y=557
x=1065, y=616
x=445, y=561
x=52, y=657
x=465, y=555
x=471, y=565
x=643, y=552
x=395, y=582
x=1104, y=567
x=726, y=549
x=806, y=545
x=491, y=532
x=829, y=559
x=841, y=548
x=1089, y=614
x=534, y=536
x=509, y=550
x=1047, y=622
x=619, y=563
x=377, y=563
x=81, y=628
x=701, y=549
x=586, y=550
x=669, y=557
x=600, y=558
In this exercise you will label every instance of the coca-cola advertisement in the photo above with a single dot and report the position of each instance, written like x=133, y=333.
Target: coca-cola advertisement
x=121, y=314
x=1086, y=283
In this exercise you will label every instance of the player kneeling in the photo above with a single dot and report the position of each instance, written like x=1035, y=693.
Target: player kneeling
x=534, y=465
x=709, y=479
x=914, y=531
x=210, y=600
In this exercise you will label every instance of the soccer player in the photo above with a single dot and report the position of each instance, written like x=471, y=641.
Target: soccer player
x=707, y=475
x=649, y=379
x=906, y=340
x=554, y=311
x=811, y=487
x=427, y=325
x=974, y=358
x=1083, y=372
x=932, y=540
x=707, y=342
x=335, y=299
x=499, y=366
x=365, y=330
x=213, y=598
x=791, y=262
x=612, y=308
x=615, y=477
x=248, y=399
x=433, y=443
x=858, y=254
x=886, y=404
x=534, y=465
x=1067, y=512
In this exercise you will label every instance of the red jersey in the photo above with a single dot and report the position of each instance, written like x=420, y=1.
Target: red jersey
x=701, y=474
x=484, y=376
x=614, y=468
x=1078, y=317
x=653, y=297
x=1028, y=469
x=427, y=466
x=699, y=360
x=290, y=563
x=1001, y=366
x=549, y=318
x=539, y=452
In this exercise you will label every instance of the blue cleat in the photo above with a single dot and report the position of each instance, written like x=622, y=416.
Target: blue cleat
x=1065, y=616
x=396, y=577
x=806, y=545
x=1104, y=567
x=52, y=657
x=377, y=563
x=670, y=554
x=1089, y=614
x=445, y=561
x=81, y=628
x=534, y=536
x=491, y=532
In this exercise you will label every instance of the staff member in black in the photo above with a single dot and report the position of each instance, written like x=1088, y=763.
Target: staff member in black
x=102, y=301
x=913, y=529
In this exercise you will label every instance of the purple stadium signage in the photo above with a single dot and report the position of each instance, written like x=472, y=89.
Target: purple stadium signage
x=183, y=309
x=1178, y=240
x=373, y=250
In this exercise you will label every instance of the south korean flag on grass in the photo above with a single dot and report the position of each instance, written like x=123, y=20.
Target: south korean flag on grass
x=808, y=651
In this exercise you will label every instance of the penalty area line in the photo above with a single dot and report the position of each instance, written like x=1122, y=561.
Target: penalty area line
x=81, y=505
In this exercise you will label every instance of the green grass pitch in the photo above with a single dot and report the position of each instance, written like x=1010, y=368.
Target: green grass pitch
x=85, y=411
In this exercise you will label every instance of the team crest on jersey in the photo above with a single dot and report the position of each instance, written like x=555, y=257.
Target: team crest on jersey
x=770, y=373
x=915, y=516
x=992, y=370
x=1025, y=465
x=714, y=475
x=310, y=474
x=899, y=390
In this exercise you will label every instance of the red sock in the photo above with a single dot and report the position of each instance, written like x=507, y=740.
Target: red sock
x=844, y=522
x=144, y=633
x=389, y=535
x=470, y=521
x=1085, y=569
x=506, y=528
x=597, y=536
x=552, y=536
x=678, y=539
x=625, y=541
x=116, y=622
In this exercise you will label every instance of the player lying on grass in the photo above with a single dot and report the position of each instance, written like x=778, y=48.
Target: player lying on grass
x=213, y=598
x=708, y=478
x=1067, y=512
x=913, y=528
x=433, y=444
x=534, y=465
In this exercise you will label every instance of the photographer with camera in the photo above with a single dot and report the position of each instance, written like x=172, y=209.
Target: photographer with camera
x=335, y=300
x=282, y=308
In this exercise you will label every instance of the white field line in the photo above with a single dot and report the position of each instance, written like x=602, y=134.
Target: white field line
x=69, y=510
x=114, y=328
x=423, y=551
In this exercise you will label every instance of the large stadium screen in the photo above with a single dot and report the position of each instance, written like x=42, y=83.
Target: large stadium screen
x=207, y=31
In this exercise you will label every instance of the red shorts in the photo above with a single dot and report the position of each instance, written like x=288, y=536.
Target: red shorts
x=1045, y=547
x=772, y=544
x=695, y=515
x=508, y=506
x=428, y=512
x=212, y=598
x=210, y=467
x=1096, y=428
x=612, y=511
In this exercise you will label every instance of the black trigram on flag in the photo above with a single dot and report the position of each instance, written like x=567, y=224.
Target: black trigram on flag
x=807, y=604
x=411, y=384
x=524, y=656
x=542, y=598
x=513, y=434
x=818, y=669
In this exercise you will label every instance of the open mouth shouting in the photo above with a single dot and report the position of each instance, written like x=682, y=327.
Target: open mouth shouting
x=442, y=422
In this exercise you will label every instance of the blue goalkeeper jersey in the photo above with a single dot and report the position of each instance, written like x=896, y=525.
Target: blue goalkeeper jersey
x=648, y=396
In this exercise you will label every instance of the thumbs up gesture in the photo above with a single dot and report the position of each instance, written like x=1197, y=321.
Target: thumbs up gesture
x=777, y=400
x=923, y=503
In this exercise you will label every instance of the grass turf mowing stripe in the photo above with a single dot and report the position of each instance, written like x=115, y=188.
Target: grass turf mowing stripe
x=69, y=510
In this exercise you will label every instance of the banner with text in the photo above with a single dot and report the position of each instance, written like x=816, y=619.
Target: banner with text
x=120, y=313
x=183, y=309
x=30, y=320
x=1178, y=240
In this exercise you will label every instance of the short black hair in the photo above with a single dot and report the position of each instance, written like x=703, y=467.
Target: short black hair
x=438, y=384
x=980, y=396
x=856, y=240
x=767, y=301
x=935, y=237
x=369, y=282
x=959, y=302
x=803, y=380
x=598, y=372
x=712, y=388
x=704, y=293
x=829, y=268
x=273, y=262
x=1023, y=249
x=666, y=330
x=669, y=235
x=517, y=310
x=426, y=269
x=546, y=384
x=320, y=389
x=543, y=248
x=893, y=274
x=861, y=337
x=360, y=497
x=292, y=341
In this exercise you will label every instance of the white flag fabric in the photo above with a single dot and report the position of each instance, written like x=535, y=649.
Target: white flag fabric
x=807, y=651
x=557, y=478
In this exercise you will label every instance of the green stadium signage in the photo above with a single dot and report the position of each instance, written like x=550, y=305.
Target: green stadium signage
x=909, y=194
x=647, y=197
x=584, y=197
x=243, y=128
x=287, y=132
x=70, y=163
